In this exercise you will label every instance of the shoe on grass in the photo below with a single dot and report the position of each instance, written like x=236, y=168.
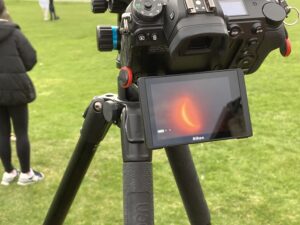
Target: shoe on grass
x=30, y=178
x=8, y=178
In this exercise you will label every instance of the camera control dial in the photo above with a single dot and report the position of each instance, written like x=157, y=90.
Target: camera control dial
x=274, y=13
x=147, y=9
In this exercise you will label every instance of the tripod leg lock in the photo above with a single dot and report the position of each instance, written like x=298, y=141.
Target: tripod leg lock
x=100, y=114
x=132, y=133
x=134, y=128
x=95, y=125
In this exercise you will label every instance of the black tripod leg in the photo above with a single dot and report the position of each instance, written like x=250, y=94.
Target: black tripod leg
x=93, y=131
x=138, y=193
x=186, y=177
x=137, y=170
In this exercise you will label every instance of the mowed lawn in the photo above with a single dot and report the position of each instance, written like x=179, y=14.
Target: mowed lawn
x=254, y=181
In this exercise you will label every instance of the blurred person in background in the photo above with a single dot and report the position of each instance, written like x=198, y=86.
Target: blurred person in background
x=53, y=15
x=44, y=4
x=5, y=14
x=17, y=56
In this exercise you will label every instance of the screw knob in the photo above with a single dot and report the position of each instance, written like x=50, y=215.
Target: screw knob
x=117, y=6
x=107, y=38
x=99, y=6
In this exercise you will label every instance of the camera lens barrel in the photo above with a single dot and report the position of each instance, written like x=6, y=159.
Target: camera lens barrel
x=107, y=38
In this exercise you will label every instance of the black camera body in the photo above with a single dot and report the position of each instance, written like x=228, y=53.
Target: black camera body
x=171, y=37
x=175, y=36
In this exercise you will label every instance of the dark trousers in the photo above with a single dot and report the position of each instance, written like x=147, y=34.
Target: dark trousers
x=52, y=10
x=19, y=117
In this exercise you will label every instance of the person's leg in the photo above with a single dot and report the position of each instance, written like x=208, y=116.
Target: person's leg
x=53, y=15
x=51, y=10
x=44, y=4
x=56, y=17
x=5, y=148
x=46, y=14
x=19, y=115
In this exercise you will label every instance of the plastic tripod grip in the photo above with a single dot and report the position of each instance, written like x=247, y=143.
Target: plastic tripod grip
x=138, y=193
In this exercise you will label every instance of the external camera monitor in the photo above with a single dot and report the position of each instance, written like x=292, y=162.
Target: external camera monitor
x=192, y=108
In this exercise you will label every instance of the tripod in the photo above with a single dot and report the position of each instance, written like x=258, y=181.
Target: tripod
x=138, y=205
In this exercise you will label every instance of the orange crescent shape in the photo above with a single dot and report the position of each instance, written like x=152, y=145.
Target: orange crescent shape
x=185, y=116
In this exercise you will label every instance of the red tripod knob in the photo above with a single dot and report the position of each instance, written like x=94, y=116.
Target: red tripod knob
x=125, y=77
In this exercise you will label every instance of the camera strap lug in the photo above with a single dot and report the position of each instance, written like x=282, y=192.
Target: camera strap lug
x=126, y=19
x=297, y=16
x=288, y=10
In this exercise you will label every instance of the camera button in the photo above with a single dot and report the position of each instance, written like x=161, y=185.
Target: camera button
x=245, y=62
x=235, y=31
x=142, y=37
x=172, y=15
x=246, y=52
x=257, y=28
x=253, y=42
x=154, y=37
x=148, y=5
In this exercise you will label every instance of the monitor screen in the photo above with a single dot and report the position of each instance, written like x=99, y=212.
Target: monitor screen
x=233, y=7
x=191, y=108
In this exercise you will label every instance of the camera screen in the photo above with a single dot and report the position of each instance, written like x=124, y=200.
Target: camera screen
x=233, y=7
x=194, y=108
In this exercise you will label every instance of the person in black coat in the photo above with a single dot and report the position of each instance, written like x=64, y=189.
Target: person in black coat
x=17, y=56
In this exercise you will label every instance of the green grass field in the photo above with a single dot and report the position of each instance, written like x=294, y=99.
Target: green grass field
x=253, y=181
